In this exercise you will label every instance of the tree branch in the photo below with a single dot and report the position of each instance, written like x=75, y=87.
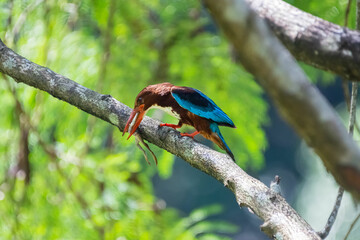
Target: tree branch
x=300, y=103
x=311, y=39
x=280, y=219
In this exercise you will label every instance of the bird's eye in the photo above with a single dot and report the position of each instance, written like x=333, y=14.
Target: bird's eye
x=140, y=100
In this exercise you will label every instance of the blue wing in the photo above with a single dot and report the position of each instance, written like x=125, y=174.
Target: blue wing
x=198, y=103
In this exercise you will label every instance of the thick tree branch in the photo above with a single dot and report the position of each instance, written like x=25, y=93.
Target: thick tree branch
x=311, y=39
x=280, y=219
x=300, y=103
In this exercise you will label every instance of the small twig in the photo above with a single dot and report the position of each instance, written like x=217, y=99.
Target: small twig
x=139, y=140
x=351, y=227
x=152, y=153
x=352, y=117
x=139, y=146
x=330, y=222
x=347, y=11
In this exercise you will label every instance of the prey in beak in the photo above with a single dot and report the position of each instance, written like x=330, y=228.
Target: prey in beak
x=134, y=120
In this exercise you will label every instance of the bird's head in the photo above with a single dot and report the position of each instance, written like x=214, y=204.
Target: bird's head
x=144, y=100
x=149, y=96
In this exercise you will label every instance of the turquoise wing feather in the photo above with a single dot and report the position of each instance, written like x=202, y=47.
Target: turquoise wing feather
x=198, y=103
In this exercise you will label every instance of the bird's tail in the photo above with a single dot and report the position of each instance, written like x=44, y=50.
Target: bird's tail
x=219, y=140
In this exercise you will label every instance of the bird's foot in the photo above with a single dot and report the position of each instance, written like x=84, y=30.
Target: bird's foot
x=174, y=126
x=192, y=135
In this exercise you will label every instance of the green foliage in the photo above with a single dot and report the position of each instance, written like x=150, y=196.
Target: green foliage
x=86, y=181
x=332, y=11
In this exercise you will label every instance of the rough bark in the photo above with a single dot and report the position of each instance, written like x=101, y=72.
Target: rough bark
x=311, y=39
x=299, y=102
x=280, y=219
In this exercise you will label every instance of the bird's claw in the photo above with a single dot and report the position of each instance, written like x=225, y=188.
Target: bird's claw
x=192, y=135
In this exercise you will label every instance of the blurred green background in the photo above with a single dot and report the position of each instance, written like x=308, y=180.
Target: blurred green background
x=66, y=175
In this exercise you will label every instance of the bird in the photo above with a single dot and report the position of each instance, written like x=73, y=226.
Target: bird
x=190, y=106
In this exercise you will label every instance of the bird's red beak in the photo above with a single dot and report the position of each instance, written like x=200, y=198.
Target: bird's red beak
x=135, y=119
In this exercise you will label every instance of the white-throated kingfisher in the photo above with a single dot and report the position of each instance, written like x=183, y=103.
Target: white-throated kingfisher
x=189, y=105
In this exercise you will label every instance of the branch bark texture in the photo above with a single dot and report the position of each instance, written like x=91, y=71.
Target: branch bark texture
x=280, y=220
x=313, y=40
x=300, y=103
